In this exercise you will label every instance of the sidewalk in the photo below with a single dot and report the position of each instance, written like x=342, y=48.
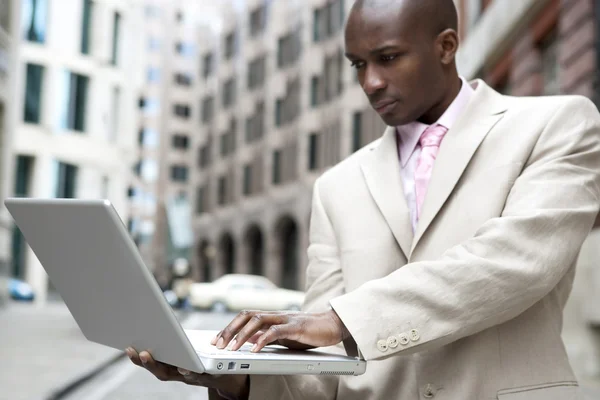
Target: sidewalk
x=43, y=351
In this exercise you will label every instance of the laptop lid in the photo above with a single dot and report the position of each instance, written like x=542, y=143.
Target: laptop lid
x=95, y=265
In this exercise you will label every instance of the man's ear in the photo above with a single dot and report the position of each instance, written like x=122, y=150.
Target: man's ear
x=447, y=43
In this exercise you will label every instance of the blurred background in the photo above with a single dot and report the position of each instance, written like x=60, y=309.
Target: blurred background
x=206, y=124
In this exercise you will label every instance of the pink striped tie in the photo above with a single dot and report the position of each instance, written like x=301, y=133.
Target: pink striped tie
x=430, y=145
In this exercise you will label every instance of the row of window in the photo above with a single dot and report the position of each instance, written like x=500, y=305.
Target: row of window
x=34, y=17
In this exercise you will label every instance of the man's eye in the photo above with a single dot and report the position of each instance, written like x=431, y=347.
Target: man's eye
x=388, y=57
x=357, y=64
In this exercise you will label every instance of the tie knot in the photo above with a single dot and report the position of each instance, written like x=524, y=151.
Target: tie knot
x=433, y=136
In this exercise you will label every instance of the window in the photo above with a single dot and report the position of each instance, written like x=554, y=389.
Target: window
x=201, y=200
x=228, y=139
x=115, y=114
x=289, y=48
x=288, y=108
x=152, y=11
x=313, y=151
x=154, y=44
x=356, y=131
x=204, y=155
x=34, y=20
x=181, y=142
x=229, y=96
x=153, y=74
x=116, y=38
x=328, y=20
x=105, y=187
x=277, y=167
x=255, y=124
x=74, y=106
x=66, y=181
x=208, y=109
x=258, y=19
x=148, y=138
x=6, y=15
x=182, y=110
x=222, y=191
x=149, y=106
x=184, y=49
x=247, y=186
x=315, y=85
x=207, y=65
x=230, y=45
x=179, y=173
x=33, y=93
x=550, y=64
x=278, y=112
x=21, y=189
x=183, y=79
x=86, y=28
x=256, y=73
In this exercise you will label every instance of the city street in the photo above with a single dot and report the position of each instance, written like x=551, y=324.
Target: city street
x=125, y=381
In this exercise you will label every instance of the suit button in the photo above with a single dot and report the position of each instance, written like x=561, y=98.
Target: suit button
x=403, y=339
x=392, y=342
x=414, y=335
x=428, y=392
x=382, y=346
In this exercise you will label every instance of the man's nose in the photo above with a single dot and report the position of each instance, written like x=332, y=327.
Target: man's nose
x=373, y=81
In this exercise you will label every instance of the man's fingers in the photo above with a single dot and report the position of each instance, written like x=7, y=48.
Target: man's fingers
x=133, y=356
x=162, y=371
x=258, y=322
x=275, y=333
x=235, y=326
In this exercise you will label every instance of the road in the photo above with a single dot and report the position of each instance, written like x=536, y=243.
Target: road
x=125, y=381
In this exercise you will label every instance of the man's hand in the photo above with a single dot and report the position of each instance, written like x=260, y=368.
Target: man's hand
x=236, y=385
x=295, y=330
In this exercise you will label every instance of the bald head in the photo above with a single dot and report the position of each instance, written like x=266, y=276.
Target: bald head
x=404, y=53
x=434, y=15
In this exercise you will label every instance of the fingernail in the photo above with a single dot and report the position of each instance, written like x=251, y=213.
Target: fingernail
x=233, y=342
x=214, y=340
x=253, y=349
x=183, y=372
x=143, y=359
x=220, y=343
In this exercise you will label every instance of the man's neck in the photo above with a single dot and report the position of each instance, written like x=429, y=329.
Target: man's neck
x=440, y=108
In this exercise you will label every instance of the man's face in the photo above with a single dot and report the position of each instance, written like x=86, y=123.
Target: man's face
x=397, y=62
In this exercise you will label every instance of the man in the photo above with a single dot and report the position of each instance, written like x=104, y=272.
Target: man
x=445, y=251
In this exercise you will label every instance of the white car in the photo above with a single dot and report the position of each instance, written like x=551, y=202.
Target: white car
x=236, y=292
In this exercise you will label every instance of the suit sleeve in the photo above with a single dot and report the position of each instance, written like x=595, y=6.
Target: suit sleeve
x=512, y=261
x=323, y=282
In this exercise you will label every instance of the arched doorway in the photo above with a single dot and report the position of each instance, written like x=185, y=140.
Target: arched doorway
x=206, y=256
x=227, y=253
x=254, y=249
x=287, y=235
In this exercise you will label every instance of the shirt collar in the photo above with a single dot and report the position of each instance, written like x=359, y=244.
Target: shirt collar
x=409, y=134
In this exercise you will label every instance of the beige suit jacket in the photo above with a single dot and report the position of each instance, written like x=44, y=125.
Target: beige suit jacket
x=470, y=307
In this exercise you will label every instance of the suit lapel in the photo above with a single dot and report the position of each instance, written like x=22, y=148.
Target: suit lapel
x=381, y=169
x=485, y=109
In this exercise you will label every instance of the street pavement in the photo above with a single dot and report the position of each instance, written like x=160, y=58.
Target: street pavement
x=125, y=381
x=43, y=352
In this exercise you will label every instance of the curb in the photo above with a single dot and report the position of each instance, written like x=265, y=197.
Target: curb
x=75, y=383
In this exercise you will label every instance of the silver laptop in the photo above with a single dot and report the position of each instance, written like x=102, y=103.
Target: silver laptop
x=95, y=266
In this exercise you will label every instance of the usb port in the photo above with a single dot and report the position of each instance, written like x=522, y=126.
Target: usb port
x=244, y=366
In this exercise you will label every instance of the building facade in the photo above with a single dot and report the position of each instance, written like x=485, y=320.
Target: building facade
x=7, y=65
x=275, y=105
x=72, y=124
x=534, y=48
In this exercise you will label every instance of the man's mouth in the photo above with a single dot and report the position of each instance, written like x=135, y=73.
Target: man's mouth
x=383, y=107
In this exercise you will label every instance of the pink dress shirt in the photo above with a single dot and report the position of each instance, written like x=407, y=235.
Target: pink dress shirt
x=409, y=148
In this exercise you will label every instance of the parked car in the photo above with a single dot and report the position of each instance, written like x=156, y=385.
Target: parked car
x=19, y=290
x=236, y=292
